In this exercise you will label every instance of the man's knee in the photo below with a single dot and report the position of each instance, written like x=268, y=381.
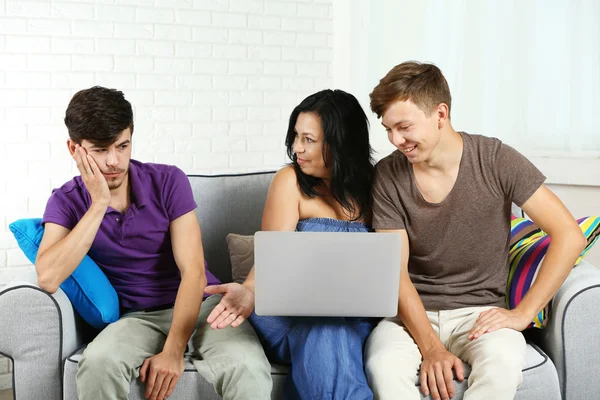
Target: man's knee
x=246, y=368
x=252, y=358
x=382, y=363
x=239, y=355
x=502, y=370
x=505, y=351
x=388, y=354
x=98, y=360
x=510, y=362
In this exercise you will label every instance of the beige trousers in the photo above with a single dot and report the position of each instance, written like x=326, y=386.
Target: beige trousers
x=392, y=358
x=231, y=359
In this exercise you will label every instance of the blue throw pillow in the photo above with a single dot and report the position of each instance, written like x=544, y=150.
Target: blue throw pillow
x=89, y=290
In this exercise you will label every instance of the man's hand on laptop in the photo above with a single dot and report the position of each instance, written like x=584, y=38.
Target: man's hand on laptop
x=236, y=305
x=436, y=373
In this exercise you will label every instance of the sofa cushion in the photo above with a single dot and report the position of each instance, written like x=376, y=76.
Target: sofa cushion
x=241, y=254
x=528, y=248
x=87, y=287
x=190, y=386
x=228, y=203
x=540, y=380
x=521, y=229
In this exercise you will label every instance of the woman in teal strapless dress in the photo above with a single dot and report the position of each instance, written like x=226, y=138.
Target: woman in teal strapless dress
x=325, y=188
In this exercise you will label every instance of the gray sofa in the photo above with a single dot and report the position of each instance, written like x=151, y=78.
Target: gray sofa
x=44, y=337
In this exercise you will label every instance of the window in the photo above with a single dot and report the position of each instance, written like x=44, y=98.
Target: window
x=525, y=72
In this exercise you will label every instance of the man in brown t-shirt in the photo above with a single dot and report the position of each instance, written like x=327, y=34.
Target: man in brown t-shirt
x=449, y=195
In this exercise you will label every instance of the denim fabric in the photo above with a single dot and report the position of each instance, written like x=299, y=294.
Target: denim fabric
x=325, y=354
x=330, y=225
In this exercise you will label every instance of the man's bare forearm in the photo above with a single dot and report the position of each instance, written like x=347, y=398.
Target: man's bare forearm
x=562, y=254
x=414, y=317
x=59, y=261
x=186, y=310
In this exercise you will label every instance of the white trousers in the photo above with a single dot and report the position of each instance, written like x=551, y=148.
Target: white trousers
x=392, y=358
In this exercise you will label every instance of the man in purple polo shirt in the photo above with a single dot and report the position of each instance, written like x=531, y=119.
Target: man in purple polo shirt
x=137, y=221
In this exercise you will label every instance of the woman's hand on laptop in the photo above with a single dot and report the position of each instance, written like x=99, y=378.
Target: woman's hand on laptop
x=235, y=306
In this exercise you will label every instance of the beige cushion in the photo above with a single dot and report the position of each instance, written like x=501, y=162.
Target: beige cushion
x=241, y=253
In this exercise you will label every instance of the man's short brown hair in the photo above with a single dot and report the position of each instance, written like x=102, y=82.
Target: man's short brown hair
x=422, y=83
x=98, y=114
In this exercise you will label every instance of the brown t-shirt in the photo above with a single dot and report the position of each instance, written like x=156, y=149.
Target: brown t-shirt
x=459, y=247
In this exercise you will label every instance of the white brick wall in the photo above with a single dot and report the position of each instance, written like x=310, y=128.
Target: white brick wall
x=212, y=83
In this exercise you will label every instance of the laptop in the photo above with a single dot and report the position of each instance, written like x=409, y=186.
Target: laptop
x=327, y=274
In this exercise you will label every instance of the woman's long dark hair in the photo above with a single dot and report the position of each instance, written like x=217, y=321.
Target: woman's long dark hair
x=346, y=150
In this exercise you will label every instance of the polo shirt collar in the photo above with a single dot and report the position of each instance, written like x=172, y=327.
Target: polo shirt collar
x=137, y=186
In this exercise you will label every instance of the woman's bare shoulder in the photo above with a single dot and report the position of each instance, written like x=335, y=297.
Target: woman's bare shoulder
x=286, y=178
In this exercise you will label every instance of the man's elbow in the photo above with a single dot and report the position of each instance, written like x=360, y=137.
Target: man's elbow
x=47, y=285
x=197, y=275
x=200, y=278
x=575, y=240
x=45, y=281
x=580, y=242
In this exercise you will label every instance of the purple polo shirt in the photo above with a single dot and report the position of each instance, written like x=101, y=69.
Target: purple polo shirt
x=134, y=249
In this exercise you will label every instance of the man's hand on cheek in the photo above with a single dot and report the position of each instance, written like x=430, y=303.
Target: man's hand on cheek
x=92, y=177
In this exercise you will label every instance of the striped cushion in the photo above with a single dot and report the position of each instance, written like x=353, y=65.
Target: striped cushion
x=521, y=229
x=528, y=246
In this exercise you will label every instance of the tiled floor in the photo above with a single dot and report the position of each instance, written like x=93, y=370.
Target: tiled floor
x=6, y=394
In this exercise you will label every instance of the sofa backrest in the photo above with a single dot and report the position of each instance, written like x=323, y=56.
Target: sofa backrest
x=228, y=204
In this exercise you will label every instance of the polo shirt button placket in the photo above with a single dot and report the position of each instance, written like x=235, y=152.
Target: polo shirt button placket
x=121, y=228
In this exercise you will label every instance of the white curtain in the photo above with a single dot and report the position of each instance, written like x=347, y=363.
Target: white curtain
x=527, y=72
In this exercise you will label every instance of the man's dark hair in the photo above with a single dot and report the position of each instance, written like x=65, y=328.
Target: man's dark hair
x=99, y=115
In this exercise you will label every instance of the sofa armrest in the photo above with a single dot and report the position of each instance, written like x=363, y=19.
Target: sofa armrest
x=38, y=331
x=572, y=337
